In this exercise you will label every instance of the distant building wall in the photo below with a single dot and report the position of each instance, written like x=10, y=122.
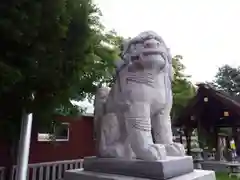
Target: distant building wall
x=80, y=144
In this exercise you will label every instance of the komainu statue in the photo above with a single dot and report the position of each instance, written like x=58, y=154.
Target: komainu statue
x=139, y=101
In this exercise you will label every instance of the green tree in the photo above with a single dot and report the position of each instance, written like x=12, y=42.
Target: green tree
x=43, y=47
x=54, y=49
x=183, y=90
x=228, y=79
x=100, y=64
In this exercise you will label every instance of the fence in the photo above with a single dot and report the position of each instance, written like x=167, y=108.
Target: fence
x=46, y=171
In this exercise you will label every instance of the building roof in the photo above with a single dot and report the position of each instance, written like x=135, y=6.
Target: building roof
x=211, y=111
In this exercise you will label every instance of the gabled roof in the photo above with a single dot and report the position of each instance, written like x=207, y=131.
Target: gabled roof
x=229, y=101
x=224, y=98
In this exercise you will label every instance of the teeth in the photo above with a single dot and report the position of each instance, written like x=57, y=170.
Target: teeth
x=151, y=53
x=154, y=56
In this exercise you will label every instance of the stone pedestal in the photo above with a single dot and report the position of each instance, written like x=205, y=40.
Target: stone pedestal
x=174, y=168
x=88, y=175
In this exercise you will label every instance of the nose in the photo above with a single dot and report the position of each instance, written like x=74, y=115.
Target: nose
x=151, y=43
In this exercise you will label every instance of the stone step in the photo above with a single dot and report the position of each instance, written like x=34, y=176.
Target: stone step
x=80, y=174
x=163, y=169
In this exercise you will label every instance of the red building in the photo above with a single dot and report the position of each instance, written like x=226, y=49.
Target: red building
x=78, y=143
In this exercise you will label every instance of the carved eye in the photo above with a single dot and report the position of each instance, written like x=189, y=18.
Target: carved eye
x=147, y=45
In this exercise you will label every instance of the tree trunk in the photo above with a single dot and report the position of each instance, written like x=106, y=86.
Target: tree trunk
x=13, y=140
x=188, y=135
x=12, y=154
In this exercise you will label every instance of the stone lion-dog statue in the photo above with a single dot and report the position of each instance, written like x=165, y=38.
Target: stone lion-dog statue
x=132, y=119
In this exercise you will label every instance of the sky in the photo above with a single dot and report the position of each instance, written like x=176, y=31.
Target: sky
x=205, y=32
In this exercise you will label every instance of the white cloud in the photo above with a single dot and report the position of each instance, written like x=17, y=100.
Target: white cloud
x=205, y=32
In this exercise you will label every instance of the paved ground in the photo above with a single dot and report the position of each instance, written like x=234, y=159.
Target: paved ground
x=216, y=166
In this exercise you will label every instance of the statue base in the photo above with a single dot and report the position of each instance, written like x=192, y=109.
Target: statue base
x=173, y=168
x=88, y=175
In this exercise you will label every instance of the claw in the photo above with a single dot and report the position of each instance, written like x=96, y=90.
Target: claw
x=175, y=149
x=161, y=151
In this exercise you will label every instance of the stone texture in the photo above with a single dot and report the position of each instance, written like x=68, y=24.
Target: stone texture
x=162, y=169
x=80, y=174
x=140, y=100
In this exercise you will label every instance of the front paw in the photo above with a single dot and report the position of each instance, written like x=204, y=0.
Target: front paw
x=160, y=151
x=175, y=149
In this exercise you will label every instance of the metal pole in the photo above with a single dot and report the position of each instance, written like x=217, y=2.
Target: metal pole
x=24, y=146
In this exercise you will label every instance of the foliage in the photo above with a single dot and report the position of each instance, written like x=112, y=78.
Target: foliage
x=100, y=63
x=58, y=51
x=43, y=45
x=228, y=79
x=183, y=90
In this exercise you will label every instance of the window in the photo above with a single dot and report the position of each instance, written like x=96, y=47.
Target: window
x=60, y=132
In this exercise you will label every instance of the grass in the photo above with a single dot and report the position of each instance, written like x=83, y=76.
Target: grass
x=224, y=176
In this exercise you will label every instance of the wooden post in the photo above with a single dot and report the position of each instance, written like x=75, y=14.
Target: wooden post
x=216, y=144
x=181, y=136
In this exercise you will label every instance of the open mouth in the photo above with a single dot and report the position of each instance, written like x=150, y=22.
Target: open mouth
x=152, y=53
x=148, y=53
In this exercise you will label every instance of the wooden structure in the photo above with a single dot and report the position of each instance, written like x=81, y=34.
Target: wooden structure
x=210, y=110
